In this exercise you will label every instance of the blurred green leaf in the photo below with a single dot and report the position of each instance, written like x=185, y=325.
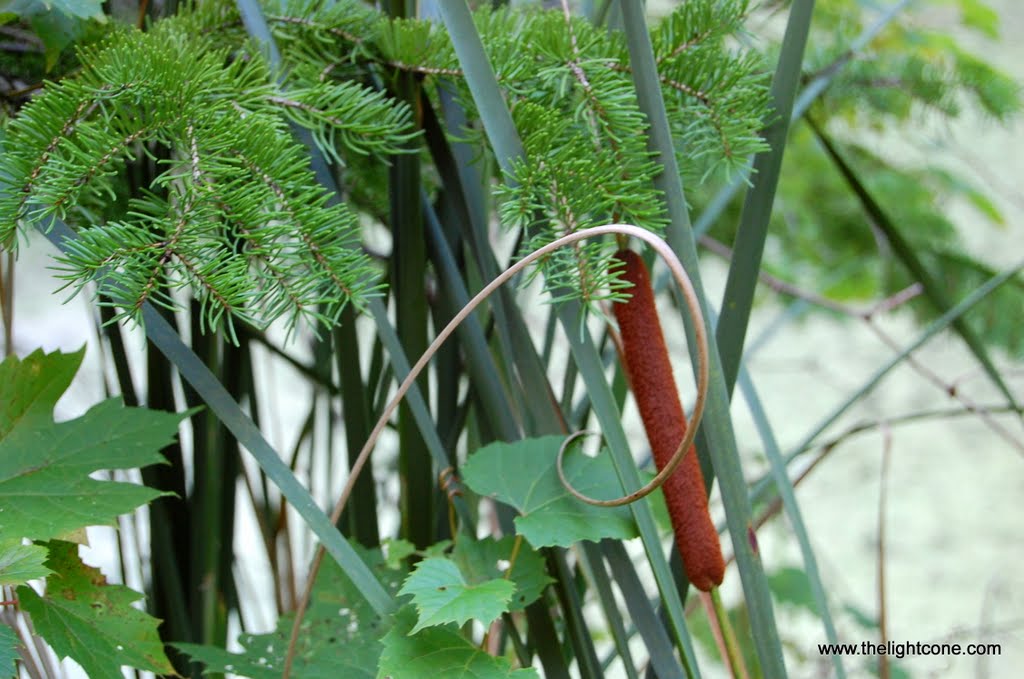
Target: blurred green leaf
x=397, y=551
x=58, y=23
x=439, y=653
x=20, y=563
x=340, y=632
x=791, y=586
x=8, y=651
x=979, y=16
x=865, y=620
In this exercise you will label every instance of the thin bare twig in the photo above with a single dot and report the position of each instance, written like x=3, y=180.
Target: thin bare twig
x=883, y=487
x=950, y=389
x=868, y=317
x=786, y=288
x=775, y=506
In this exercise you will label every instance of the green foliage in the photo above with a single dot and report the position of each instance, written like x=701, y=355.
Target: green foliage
x=45, y=488
x=340, y=632
x=523, y=475
x=46, y=492
x=185, y=175
x=58, y=23
x=235, y=215
x=20, y=563
x=442, y=595
x=819, y=237
x=439, y=652
x=908, y=66
x=482, y=560
x=83, y=9
x=791, y=587
x=8, y=651
x=398, y=550
x=84, y=618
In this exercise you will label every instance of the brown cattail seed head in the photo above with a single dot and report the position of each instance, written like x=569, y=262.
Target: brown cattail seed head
x=654, y=387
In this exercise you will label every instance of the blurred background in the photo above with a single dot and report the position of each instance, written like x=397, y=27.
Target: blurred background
x=909, y=463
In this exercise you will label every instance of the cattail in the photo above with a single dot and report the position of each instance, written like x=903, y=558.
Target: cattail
x=650, y=375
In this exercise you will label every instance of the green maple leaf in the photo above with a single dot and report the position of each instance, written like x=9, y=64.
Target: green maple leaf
x=442, y=595
x=523, y=475
x=340, y=632
x=482, y=560
x=439, y=653
x=45, y=488
x=20, y=563
x=84, y=618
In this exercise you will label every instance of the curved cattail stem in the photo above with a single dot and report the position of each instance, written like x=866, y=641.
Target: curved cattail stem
x=690, y=297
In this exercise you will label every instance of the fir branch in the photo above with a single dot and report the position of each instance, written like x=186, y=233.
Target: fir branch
x=235, y=215
x=237, y=188
x=310, y=24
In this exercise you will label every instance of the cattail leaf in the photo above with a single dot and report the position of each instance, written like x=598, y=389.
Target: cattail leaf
x=812, y=576
x=651, y=629
x=523, y=475
x=738, y=297
x=593, y=567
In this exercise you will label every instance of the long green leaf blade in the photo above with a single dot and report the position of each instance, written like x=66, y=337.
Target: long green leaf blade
x=757, y=208
x=716, y=428
x=785, y=489
x=494, y=114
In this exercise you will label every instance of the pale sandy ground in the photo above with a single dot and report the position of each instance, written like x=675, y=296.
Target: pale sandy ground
x=955, y=542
